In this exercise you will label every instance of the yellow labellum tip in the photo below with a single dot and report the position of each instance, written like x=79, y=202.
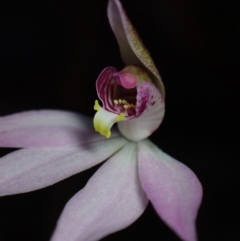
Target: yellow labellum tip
x=104, y=119
x=96, y=105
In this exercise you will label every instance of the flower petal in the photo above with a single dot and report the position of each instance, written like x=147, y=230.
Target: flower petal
x=150, y=107
x=46, y=128
x=30, y=169
x=173, y=189
x=112, y=200
x=132, y=50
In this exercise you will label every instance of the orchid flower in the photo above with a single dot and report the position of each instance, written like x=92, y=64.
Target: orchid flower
x=58, y=144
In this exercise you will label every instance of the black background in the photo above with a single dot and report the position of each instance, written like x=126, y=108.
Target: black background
x=51, y=53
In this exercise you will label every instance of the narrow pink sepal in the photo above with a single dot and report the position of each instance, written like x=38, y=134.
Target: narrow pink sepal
x=172, y=187
x=112, y=200
x=46, y=128
x=31, y=169
x=132, y=50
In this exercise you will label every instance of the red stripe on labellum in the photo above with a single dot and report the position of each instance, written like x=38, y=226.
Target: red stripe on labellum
x=105, y=86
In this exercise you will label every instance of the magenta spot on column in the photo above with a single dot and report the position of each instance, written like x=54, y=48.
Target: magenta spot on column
x=126, y=80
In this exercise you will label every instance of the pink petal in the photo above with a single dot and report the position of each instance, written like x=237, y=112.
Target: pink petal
x=132, y=50
x=173, y=189
x=112, y=200
x=46, y=128
x=150, y=109
x=30, y=169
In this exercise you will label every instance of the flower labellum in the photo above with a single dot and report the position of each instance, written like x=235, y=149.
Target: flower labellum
x=59, y=144
x=126, y=95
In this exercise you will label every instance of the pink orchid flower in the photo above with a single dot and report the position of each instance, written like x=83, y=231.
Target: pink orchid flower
x=59, y=144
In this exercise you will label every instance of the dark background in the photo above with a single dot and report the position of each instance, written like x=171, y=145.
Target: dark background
x=51, y=53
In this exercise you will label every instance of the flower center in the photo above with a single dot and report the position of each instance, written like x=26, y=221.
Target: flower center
x=123, y=106
x=118, y=93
